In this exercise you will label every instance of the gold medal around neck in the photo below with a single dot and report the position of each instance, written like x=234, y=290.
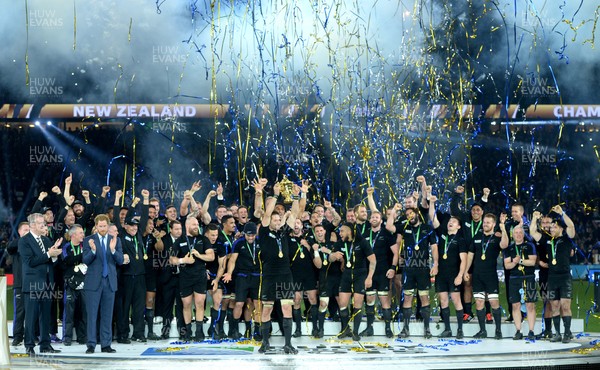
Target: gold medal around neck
x=445, y=256
x=302, y=255
x=280, y=254
x=483, y=257
x=348, y=264
x=145, y=257
x=325, y=262
x=137, y=257
x=416, y=247
x=554, y=261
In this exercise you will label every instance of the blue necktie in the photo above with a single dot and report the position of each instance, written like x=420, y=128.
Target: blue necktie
x=104, y=262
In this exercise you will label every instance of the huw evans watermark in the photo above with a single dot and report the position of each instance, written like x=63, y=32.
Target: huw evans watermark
x=538, y=154
x=44, y=154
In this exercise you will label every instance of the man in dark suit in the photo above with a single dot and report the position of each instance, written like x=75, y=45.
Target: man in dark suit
x=38, y=257
x=18, y=304
x=101, y=253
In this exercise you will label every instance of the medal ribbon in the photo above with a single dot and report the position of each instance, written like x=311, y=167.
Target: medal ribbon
x=447, y=244
x=228, y=240
x=279, y=245
x=135, y=242
x=253, y=252
x=147, y=244
x=298, y=250
x=77, y=251
x=323, y=254
x=476, y=230
x=373, y=239
x=348, y=256
x=417, y=240
x=192, y=244
x=484, y=249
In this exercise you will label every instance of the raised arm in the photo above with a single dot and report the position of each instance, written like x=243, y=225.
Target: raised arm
x=295, y=207
x=117, y=210
x=220, y=198
x=456, y=198
x=185, y=203
x=38, y=205
x=206, y=205
x=432, y=215
x=533, y=226
x=270, y=206
x=505, y=239
x=145, y=209
x=389, y=224
x=570, y=225
x=371, y=199
x=258, y=186
x=485, y=196
x=303, y=195
x=194, y=205
x=424, y=191
x=67, y=192
x=101, y=201
x=336, y=216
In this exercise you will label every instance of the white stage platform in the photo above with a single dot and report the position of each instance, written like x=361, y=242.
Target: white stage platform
x=378, y=351
x=313, y=354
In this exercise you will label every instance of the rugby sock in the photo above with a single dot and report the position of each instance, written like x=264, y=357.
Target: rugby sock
x=497, y=317
x=370, y=315
x=556, y=320
x=425, y=313
x=459, y=318
x=287, y=330
x=357, y=313
x=481, y=319
x=446, y=317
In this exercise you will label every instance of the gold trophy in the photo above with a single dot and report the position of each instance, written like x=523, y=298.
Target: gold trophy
x=286, y=187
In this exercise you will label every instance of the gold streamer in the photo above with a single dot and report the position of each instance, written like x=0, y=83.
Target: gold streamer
x=171, y=161
x=587, y=351
x=117, y=83
x=133, y=166
x=592, y=40
x=74, y=25
x=27, y=43
x=124, y=186
x=129, y=34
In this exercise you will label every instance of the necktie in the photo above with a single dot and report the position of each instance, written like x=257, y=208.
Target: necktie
x=41, y=244
x=104, y=262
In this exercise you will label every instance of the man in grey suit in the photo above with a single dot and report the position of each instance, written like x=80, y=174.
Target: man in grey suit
x=101, y=253
x=38, y=257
